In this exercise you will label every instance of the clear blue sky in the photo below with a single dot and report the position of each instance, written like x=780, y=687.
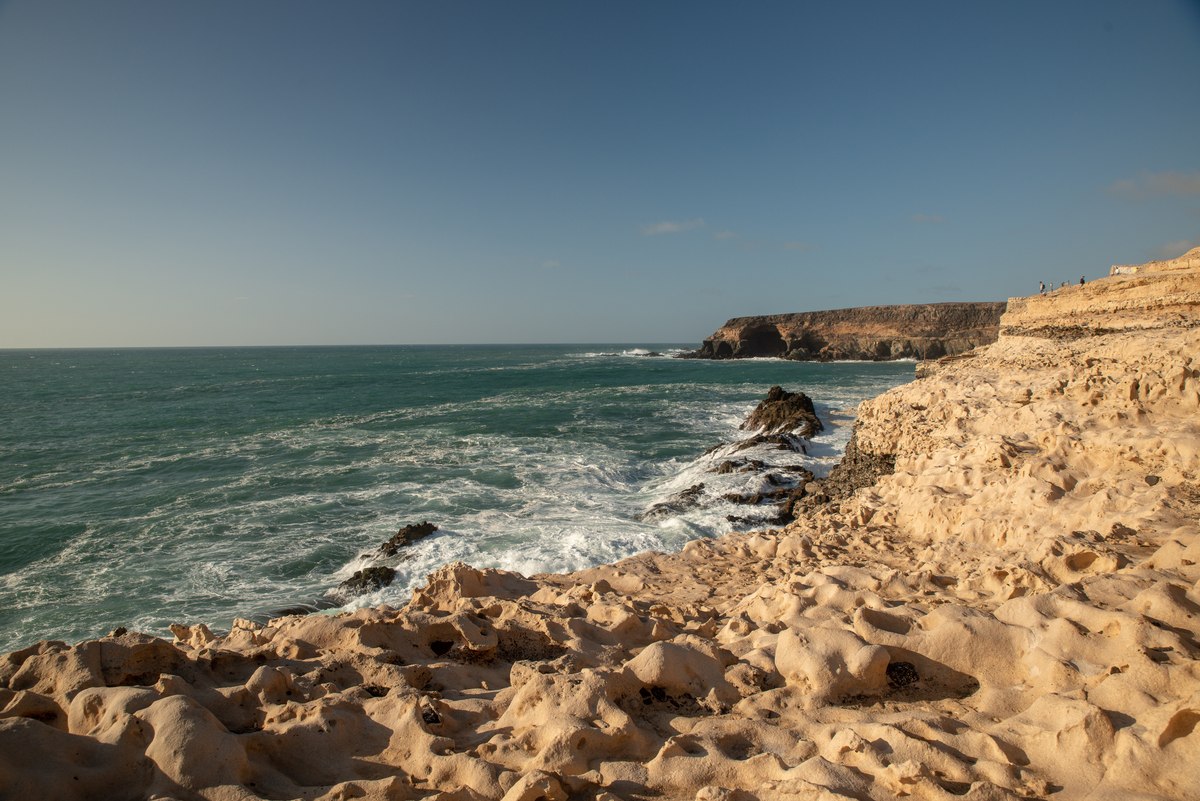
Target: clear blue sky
x=304, y=173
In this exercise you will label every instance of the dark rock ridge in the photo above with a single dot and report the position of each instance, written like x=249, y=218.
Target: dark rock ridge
x=868, y=333
x=782, y=492
x=369, y=579
x=677, y=503
x=783, y=421
x=783, y=411
x=364, y=581
x=407, y=536
x=856, y=470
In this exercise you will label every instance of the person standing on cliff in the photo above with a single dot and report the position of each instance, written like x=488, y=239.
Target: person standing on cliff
x=1081, y=280
x=1041, y=287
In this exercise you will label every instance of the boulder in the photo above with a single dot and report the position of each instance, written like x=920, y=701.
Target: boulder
x=366, y=580
x=407, y=536
x=782, y=412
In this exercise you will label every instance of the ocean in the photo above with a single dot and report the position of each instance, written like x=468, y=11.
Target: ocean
x=142, y=487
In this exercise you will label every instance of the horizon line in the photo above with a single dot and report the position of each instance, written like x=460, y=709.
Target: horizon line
x=346, y=345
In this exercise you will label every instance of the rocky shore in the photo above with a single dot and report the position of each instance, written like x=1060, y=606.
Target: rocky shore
x=997, y=597
x=869, y=333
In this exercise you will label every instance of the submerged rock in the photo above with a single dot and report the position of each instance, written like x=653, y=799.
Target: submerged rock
x=740, y=466
x=782, y=442
x=680, y=502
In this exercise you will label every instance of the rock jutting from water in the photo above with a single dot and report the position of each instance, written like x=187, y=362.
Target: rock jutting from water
x=784, y=412
x=782, y=421
x=406, y=536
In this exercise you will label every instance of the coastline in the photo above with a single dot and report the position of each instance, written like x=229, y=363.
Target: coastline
x=538, y=459
x=1012, y=612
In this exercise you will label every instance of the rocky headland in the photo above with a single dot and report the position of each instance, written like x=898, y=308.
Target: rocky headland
x=998, y=599
x=869, y=333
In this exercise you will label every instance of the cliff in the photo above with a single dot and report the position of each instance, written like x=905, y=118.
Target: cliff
x=1160, y=294
x=871, y=333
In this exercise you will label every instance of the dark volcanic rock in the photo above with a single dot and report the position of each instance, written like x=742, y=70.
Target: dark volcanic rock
x=363, y=581
x=782, y=442
x=783, y=411
x=740, y=466
x=870, y=333
x=901, y=674
x=783, y=497
x=407, y=536
x=681, y=502
x=857, y=469
x=366, y=580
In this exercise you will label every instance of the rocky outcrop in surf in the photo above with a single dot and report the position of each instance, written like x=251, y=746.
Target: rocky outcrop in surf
x=769, y=489
x=782, y=411
x=869, y=333
x=376, y=576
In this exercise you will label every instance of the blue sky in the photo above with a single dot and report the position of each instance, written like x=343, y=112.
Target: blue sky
x=438, y=172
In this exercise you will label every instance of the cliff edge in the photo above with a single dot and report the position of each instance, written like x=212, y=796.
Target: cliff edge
x=1159, y=294
x=869, y=333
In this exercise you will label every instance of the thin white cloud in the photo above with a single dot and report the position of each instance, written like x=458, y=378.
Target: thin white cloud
x=1177, y=248
x=672, y=227
x=1157, y=184
x=726, y=234
x=930, y=219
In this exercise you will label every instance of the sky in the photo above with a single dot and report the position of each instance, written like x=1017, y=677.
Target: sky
x=269, y=173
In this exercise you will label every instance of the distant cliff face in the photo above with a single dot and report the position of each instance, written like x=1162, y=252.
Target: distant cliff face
x=873, y=333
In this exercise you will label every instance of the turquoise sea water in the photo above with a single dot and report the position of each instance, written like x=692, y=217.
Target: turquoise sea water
x=145, y=487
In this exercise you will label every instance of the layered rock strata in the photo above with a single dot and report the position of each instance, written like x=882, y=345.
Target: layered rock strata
x=1011, y=613
x=1157, y=295
x=871, y=333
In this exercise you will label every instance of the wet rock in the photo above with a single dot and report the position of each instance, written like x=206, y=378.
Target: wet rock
x=366, y=580
x=680, y=502
x=740, y=466
x=782, y=411
x=407, y=536
x=782, y=442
